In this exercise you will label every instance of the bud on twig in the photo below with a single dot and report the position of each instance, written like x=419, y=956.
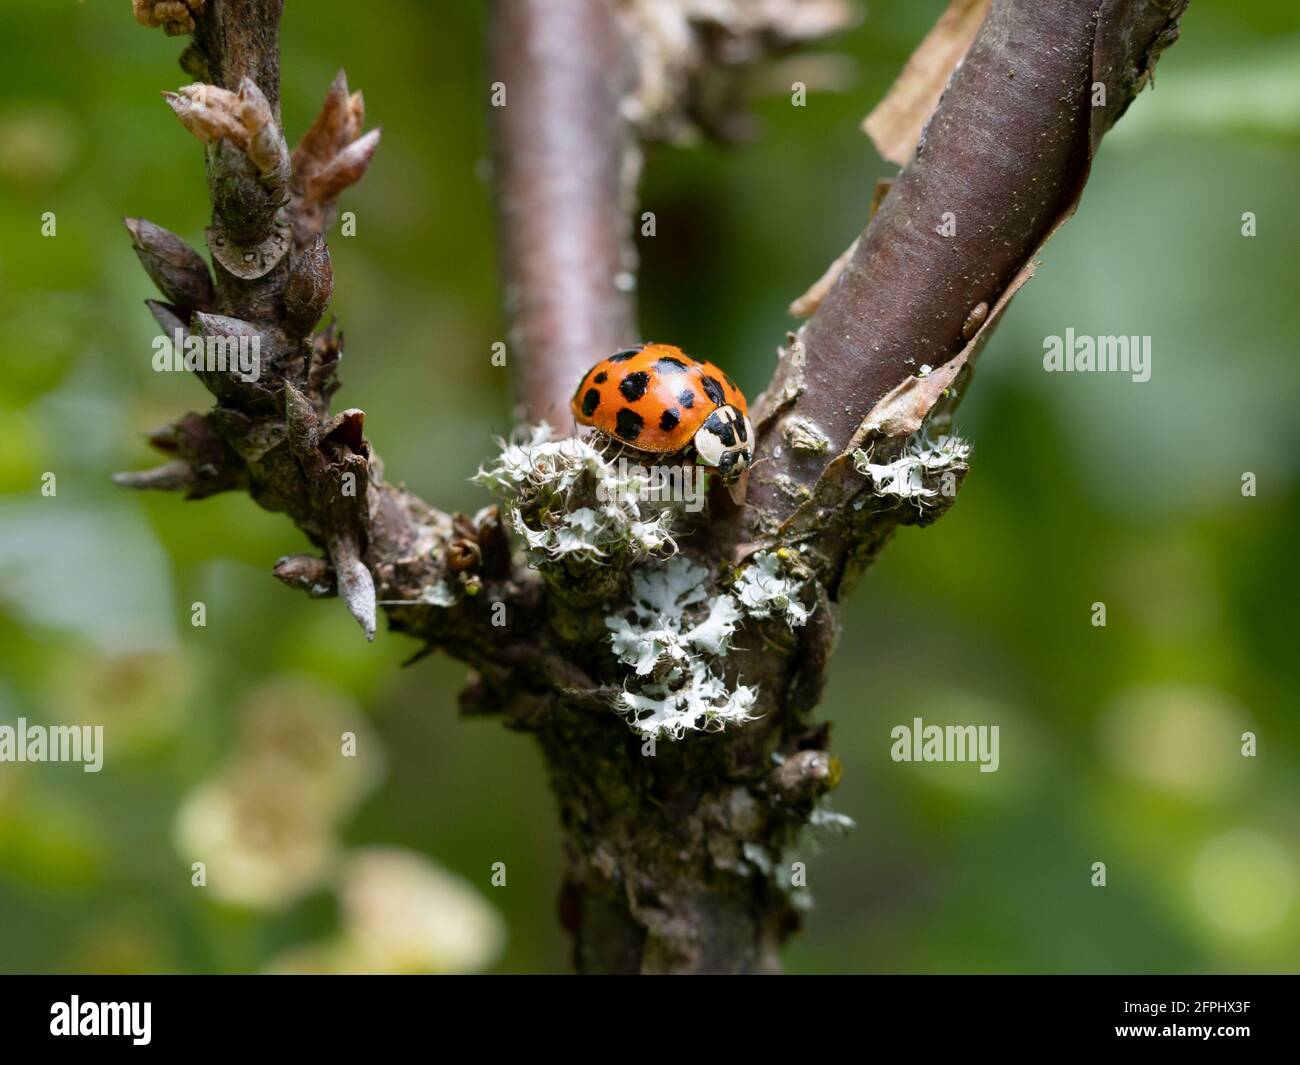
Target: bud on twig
x=168, y=317
x=356, y=586
x=331, y=156
x=266, y=147
x=309, y=288
x=307, y=573
x=209, y=112
x=174, y=476
x=177, y=269
x=238, y=356
x=346, y=168
x=245, y=119
x=339, y=123
x=807, y=774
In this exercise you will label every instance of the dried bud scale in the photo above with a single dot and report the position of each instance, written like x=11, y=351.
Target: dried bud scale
x=346, y=168
x=338, y=123
x=332, y=155
x=326, y=351
x=209, y=112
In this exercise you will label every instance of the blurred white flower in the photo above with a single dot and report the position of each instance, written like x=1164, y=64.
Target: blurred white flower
x=41, y=143
x=402, y=913
x=295, y=728
x=141, y=698
x=1179, y=738
x=1244, y=883
x=264, y=827
x=405, y=913
x=264, y=841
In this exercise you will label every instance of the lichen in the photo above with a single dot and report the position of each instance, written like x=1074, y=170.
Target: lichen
x=792, y=489
x=674, y=634
x=823, y=817
x=670, y=633
x=914, y=474
x=691, y=698
x=568, y=503
x=768, y=586
x=804, y=436
x=655, y=628
x=438, y=594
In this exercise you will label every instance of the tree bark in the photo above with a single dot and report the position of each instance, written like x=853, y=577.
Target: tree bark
x=565, y=165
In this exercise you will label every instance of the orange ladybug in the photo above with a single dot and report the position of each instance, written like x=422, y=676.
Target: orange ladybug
x=656, y=398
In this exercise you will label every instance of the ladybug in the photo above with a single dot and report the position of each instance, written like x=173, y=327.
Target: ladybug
x=656, y=398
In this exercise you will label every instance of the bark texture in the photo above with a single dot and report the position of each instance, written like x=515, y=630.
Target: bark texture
x=677, y=850
x=566, y=165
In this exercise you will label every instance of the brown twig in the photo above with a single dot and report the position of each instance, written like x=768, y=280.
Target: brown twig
x=1000, y=165
x=565, y=166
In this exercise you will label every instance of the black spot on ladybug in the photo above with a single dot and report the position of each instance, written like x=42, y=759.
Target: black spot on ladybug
x=713, y=390
x=623, y=356
x=670, y=365
x=668, y=419
x=722, y=430
x=633, y=386
x=741, y=431
x=601, y=377
x=590, y=402
x=687, y=399
x=731, y=384
x=628, y=424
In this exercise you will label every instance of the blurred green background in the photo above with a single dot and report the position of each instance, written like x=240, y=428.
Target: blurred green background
x=1119, y=744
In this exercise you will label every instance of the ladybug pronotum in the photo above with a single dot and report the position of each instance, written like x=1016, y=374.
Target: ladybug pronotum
x=657, y=399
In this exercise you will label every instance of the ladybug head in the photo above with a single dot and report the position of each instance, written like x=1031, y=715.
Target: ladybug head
x=726, y=441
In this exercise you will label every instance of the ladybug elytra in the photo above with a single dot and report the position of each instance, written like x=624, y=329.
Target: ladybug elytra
x=658, y=399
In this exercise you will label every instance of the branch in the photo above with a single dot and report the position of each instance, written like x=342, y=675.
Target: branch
x=566, y=165
x=1007, y=153
x=271, y=433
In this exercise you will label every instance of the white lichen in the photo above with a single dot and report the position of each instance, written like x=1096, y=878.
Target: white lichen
x=804, y=435
x=831, y=820
x=766, y=587
x=567, y=502
x=690, y=699
x=672, y=633
x=655, y=627
x=912, y=475
x=438, y=594
x=757, y=856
